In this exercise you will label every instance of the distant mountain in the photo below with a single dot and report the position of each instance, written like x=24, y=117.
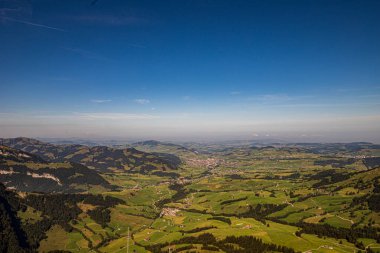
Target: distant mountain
x=26, y=172
x=158, y=147
x=149, y=143
x=100, y=158
x=87, y=142
x=337, y=148
x=11, y=154
x=157, y=144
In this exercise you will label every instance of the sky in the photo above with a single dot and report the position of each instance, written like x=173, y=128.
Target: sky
x=191, y=69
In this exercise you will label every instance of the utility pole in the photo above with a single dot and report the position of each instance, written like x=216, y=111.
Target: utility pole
x=128, y=241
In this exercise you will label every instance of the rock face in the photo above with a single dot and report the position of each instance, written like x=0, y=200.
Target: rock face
x=44, y=175
x=18, y=155
x=26, y=172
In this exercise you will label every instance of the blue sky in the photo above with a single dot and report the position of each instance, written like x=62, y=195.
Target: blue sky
x=191, y=70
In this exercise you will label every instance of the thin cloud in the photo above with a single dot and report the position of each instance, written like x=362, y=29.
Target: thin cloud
x=142, y=101
x=356, y=89
x=4, y=11
x=277, y=98
x=135, y=45
x=116, y=116
x=327, y=105
x=274, y=98
x=33, y=24
x=110, y=20
x=60, y=78
x=87, y=54
x=100, y=101
x=71, y=117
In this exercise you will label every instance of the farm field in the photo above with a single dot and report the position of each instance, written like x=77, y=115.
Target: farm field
x=288, y=198
x=190, y=126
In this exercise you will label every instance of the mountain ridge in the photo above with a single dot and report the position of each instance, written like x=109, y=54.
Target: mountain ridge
x=100, y=158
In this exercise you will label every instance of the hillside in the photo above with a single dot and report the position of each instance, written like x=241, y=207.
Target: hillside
x=12, y=238
x=153, y=146
x=101, y=158
x=26, y=220
x=157, y=146
x=274, y=198
x=26, y=172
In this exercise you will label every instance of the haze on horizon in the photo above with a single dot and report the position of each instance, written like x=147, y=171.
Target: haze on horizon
x=191, y=70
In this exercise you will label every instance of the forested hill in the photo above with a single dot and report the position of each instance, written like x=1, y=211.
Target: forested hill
x=25, y=220
x=26, y=172
x=101, y=158
x=12, y=237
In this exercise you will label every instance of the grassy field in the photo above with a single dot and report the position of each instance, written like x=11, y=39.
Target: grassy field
x=267, y=193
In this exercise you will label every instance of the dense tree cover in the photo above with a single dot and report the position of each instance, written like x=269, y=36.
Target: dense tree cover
x=236, y=176
x=230, y=201
x=374, y=202
x=10, y=154
x=376, y=185
x=294, y=175
x=351, y=235
x=329, y=177
x=260, y=211
x=101, y=158
x=250, y=244
x=37, y=231
x=221, y=218
x=56, y=209
x=372, y=162
x=210, y=248
x=98, y=200
x=52, y=177
x=244, y=244
x=60, y=209
x=196, y=230
x=59, y=251
x=358, y=200
x=60, y=178
x=174, y=160
x=183, y=248
x=181, y=193
x=291, y=176
x=101, y=215
x=12, y=237
x=166, y=174
x=335, y=163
